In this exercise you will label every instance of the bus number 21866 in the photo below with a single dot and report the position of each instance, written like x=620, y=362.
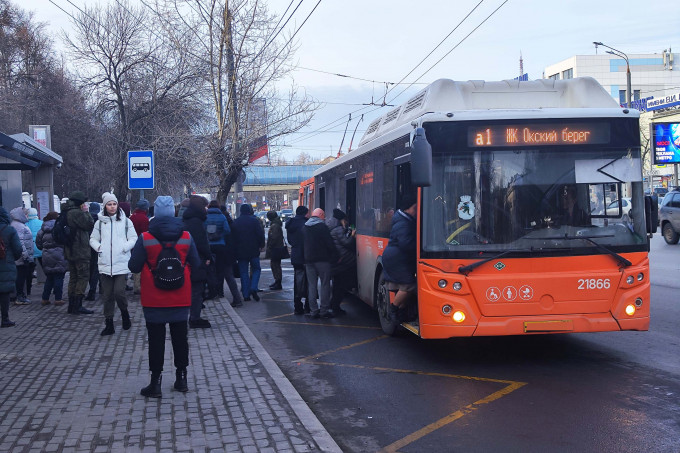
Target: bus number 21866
x=594, y=283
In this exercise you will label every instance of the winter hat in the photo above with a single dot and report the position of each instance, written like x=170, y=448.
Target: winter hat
x=108, y=196
x=198, y=202
x=78, y=197
x=301, y=210
x=32, y=213
x=164, y=207
x=214, y=204
x=338, y=214
x=272, y=215
x=143, y=205
x=246, y=209
x=94, y=207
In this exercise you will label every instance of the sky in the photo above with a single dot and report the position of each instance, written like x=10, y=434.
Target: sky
x=384, y=40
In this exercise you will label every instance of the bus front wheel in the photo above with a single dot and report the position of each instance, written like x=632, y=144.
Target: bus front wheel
x=383, y=306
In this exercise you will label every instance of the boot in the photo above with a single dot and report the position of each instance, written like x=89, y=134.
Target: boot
x=72, y=309
x=276, y=285
x=58, y=302
x=126, y=319
x=153, y=390
x=80, y=308
x=45, y=302
x=108, y=330
x=4, y=311
x=181, y=380
x=90, y=295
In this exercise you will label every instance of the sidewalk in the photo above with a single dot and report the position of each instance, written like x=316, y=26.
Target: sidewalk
x=67, y=389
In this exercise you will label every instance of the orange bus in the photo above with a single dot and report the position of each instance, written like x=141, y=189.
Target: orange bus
x=531, y=212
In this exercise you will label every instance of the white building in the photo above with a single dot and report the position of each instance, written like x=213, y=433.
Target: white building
x=654, y=77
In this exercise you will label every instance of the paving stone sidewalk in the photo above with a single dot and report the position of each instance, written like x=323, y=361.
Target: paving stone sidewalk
x=67, y=389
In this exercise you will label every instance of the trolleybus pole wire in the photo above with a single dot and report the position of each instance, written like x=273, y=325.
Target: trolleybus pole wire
x=355, y=132
x=344, y=134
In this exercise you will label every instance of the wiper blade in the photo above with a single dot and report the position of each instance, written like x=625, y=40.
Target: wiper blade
x=465, y=270
x=624, y=262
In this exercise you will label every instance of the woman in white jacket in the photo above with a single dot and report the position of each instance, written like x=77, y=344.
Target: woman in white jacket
x=113, y=237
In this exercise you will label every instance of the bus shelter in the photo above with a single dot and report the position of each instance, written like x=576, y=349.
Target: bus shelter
x=19, y=153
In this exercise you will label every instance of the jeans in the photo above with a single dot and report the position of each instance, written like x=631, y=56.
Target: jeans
x=248, y=283
x=54, y=282
x=315, y=272
x=180, y=344
x=113, y=292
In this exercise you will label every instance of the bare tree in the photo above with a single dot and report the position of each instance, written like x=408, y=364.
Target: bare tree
x=243, y=57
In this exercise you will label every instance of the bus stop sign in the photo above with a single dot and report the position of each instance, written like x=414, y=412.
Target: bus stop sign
x=140, y=170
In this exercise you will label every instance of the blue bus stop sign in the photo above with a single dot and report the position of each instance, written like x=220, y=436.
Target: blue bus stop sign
x=140, y=170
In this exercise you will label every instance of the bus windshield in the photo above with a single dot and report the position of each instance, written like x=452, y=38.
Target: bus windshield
x=533, y=199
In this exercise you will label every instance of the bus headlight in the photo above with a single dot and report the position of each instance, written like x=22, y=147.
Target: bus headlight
x=442, y=283
x=630, y=309
x=458, y=316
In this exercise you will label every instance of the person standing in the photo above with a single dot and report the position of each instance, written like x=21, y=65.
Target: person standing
x=161, y=306
x=24, y=263
x=344, y=270
x=230, y=263
x=217, y=229
x=33, y=224
x=94, y=209
x=320, y=254
x=248, y=241
x=297, y=259
x=194, y=217
x=112, y=238
x=140, y=219
x=8, y=268
x=400, y=256
x=53, y=262
x=274, y=243
x=77, y=253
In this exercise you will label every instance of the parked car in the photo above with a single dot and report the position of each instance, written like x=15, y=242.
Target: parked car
x=669, y=217
x=613, y=208
x=286, y=214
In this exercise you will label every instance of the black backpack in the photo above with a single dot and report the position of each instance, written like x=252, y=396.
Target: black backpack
x=169, y=271
x=215, y=232
x=62, y=233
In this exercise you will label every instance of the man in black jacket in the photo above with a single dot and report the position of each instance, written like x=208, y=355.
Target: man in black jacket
x=249, y=241
x=320, y=254
x=297, y=258
x=194, y=217
x=345, y=269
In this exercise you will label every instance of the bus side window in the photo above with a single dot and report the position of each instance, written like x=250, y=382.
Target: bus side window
x=403, y=180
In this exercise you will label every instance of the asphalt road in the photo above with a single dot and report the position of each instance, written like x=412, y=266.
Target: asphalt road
x=603, y=392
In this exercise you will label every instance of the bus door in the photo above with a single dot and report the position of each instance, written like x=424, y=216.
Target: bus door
x=351, y=198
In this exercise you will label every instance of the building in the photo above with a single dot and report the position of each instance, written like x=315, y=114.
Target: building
x=655, y=83
x=652, y=75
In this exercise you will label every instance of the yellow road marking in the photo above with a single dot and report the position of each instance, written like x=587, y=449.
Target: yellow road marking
x=510, y=387
x=314, y=324
x=274, y=317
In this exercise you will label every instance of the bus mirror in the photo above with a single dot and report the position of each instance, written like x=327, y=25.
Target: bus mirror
x=651, y=214
x=421, y=160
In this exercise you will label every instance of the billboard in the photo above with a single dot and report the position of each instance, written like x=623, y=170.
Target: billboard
x=665, y=139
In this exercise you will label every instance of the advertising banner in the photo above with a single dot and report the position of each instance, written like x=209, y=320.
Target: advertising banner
x=666, y=143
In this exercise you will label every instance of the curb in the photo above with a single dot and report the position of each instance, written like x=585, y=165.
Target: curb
x=301, y=409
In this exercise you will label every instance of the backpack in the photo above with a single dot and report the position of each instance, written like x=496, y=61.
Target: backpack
x=3, y=247
x=214, y=233
x=62, y=233
x=169, y=271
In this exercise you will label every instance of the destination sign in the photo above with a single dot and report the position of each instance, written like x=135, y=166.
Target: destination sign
x=563, y=134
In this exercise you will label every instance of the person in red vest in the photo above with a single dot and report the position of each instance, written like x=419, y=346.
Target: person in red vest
x=165, y=306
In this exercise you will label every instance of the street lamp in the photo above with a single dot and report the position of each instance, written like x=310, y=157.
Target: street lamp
x=618, y=53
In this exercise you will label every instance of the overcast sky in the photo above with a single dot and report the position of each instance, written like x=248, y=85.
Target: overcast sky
x=383, y=40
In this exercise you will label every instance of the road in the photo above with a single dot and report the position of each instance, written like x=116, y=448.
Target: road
x=602, y=392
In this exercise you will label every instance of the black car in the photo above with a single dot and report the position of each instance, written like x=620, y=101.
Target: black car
x=669, y=217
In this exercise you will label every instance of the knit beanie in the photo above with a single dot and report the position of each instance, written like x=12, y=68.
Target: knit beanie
x=143, y=205
x=338, y=214
x=94, y=207
x=32, y=213
x=164, y=207
x=108, y=196
x=246, y=209
x=198, y=202
x=77, y=197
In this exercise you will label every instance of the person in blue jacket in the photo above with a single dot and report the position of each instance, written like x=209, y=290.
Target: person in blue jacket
x=218, y=231
x=248, y=241
x=8, y=269
x=399, y=257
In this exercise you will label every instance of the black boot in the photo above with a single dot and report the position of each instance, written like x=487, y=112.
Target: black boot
x=90, y=295
x=72, y=306
x=153, y=390
x=81, y=309
x=276, y=285
x=108, y=330
x=181, y=380
x=126, y=319
x=4, y=309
